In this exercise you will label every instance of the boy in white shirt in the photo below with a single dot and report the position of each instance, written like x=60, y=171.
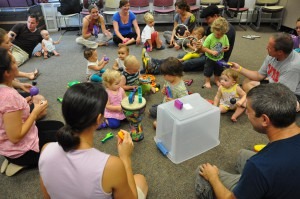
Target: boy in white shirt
x=150, y=37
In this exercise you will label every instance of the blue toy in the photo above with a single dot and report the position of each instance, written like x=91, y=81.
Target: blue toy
x=169, y=92
x=96, y=31
x=224, y=64
x=140, y=96
x=131, y=96
x=297, y=50
x=106, y=58
x=107, y=137
x=162, y=148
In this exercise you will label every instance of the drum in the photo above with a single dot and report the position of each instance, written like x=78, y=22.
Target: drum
x=134, y=114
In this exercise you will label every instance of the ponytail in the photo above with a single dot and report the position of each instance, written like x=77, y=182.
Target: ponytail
x=67, y=138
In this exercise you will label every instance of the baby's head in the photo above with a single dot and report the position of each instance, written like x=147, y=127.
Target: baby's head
x=45, y=34
x=123, y=52
x=111, y=79
x=229, y=77
x=132, y=65
x=171, y=66
x=198, y=32
x=90, y=54
x=219, y=27
x=149, y=19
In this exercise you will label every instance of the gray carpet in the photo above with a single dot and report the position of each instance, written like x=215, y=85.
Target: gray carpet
x=166, y=179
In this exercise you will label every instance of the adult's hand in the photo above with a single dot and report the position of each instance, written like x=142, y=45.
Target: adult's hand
x=25, y=87
x=138, y=40
x=125, y=146
x=40, y=107
x=209, y=172
x=235, y=66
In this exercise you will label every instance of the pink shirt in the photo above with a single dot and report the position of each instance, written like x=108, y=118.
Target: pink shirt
x=115, y=99
x=11, y=101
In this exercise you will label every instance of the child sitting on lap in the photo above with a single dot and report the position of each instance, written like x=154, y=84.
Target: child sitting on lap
x=123, y=52
x=230, y=95
x=214, y=47
x=150, y=37
x=94, y=66
x=113, y=111
x=172, y=70
x=130, y=76
x=48, y=47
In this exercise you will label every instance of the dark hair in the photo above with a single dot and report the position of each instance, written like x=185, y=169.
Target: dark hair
x=82, y=104
x=183, y=5
x=5, y=63
x=88, y=52
x=171, y=66
x=34, y=16
x=276, y=101
x=123, y=3
x=2, y=34
x=284, y=42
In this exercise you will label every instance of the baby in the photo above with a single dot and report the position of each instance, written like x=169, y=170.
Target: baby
x=48, y=47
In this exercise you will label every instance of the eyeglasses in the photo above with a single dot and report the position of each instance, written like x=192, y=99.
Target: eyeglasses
x=298, y=27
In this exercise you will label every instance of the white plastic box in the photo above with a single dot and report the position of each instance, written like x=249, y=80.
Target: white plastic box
x=190, y=131
x=49, y=12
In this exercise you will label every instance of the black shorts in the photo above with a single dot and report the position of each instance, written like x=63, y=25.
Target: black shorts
x=211, y=67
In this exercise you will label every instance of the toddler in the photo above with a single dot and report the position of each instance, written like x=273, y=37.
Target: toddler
x=95, y=67
x=150, y=37
x=123, y=52
x=172, y=70
x=113, y=111
x=198, y=33
x=48, y=47
x=214, y=47
x=130, y=76
x=230, y=95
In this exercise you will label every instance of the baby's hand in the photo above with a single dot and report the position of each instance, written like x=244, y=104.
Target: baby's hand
x=215, y=53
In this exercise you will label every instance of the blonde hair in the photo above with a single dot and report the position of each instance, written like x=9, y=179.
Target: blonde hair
x=221, y=24
x=232, y=74
x=43, y=32
x=148, y=17
x=131, y=62
x=199, y=30
x=110, y=76
x=124, y=46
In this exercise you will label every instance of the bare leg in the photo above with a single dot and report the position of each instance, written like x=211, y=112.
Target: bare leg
x=222, y=109
x=217, y=80
x=248, y=85
x=207, y=83
x=45, y=54
x=238, y=111
x=55, y=53
x=158, y=41
x=141, y=182
x=30, y=76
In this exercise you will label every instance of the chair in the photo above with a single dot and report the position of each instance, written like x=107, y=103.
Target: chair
x=205, y=3
x=139, y=6
x=66, y=20
x=238, y=9
x=110, y=8
x=267, y=6
x=194, y=8
x=163, y=7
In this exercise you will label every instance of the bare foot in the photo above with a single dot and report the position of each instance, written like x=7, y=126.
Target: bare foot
x=181, y=60
x=34, y=74
x=206, y=85
x=56, y=54
x=153, y=90
x=45, y=56
x=154, y=124
x=177, y=47
x=233, y=119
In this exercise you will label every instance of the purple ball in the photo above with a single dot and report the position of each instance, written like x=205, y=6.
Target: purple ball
x=106, y=58
x=34, y=91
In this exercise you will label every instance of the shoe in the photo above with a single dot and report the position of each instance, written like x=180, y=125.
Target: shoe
x=171, y=46
x=12, y=169
x=4, y=165
x=36, y=74
x=161, y=48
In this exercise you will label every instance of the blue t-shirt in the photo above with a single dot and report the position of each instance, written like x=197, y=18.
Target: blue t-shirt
x=124, y=29
x=273, y=173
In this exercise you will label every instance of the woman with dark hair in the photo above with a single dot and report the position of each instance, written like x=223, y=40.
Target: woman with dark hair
x=84, y=171
x=5, y=42
x=21, y=137
x=183, y=16
x=122, y=22
x=91, y=25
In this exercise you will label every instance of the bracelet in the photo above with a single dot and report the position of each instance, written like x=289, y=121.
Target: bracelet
x=240, y=69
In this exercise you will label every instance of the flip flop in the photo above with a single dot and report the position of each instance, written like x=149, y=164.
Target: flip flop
x=171, y=46
x=36, y=74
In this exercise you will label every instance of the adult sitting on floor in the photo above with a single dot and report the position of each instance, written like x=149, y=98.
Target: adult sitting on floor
x=21, y=137
x=122, y=23
x=91, y=24
x=282, y=65
x=25, y=37
x=211, y=13
x=274, y=171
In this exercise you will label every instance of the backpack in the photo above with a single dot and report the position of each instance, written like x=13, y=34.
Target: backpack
x=69, y=7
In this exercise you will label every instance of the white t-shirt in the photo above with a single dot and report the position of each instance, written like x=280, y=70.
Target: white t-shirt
x=146, y=34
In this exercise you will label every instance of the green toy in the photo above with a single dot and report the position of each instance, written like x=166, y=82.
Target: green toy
x=60, y=99
x=107, y=137
x=72, y=83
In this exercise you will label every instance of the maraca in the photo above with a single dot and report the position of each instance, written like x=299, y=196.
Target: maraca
x=232, y=101
x=106, y=58
x=96, y=31
x=34, y=90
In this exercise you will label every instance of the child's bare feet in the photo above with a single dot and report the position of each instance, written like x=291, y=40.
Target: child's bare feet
x=56, y=54
x=153, y=89
x=206, y=85
x=45, y=56
x=154, y=124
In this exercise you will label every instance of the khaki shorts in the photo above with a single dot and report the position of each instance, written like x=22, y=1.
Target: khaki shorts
x=20, y=55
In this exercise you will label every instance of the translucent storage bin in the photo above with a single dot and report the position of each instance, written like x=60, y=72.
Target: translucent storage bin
x=49, y=12
x=188, y=132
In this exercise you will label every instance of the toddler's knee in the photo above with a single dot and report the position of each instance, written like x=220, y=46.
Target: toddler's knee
x=114, y=123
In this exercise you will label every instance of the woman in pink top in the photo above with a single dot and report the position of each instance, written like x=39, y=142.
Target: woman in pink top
x=20, y=137
x=82, y=170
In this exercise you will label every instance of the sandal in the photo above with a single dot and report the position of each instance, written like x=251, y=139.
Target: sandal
x=171, y=46
x=36, y=74
x=161, y=48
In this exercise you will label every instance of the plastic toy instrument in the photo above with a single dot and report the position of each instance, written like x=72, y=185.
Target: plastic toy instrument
x=224, y=64
x=107, y=137
x=169, y=92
